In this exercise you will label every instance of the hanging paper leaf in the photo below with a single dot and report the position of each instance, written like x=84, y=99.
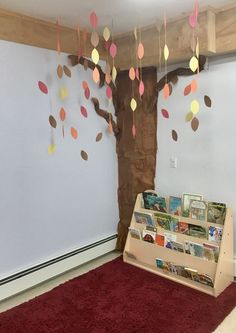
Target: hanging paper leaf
x=197, y=49
x=188, y=116
x=58, y=38
x=63, y=93
x=99, y=137
x=174, y=135
x=52, y=121
x=141, y=88
x=166, y=91
x=87, y=93
x=134, y=130
x=110, y=128
x=108, y=78
x=187, y=90
x=193, y=86
x=109, y=92
x=194, y=106
x=166, y=52
x=140, y=51
x=63, y=131
x=95, y=56
x=43, y=87
x=62, y=114
x=207, y=101
x=133, y=104
x=85, y=64
x=194, y=124
x=132, y=73
x=94, y=38
x=85, y=35
x=170, y=89
x=192, y=20
x=113, y=50
x=74, y=133
x=67, y=71
x=137, y=74
x=83, y=111
x=93, y=20
x=59, y=71
x=135, y=33
x=165, y=113
x=96, y=75
x=52, y=149
x=107, y=68
x=84, y=155
x=106, y=34
x=84, y=85
x=196, y=8
x=114, y=73
x=174, y=79
x=193, y=64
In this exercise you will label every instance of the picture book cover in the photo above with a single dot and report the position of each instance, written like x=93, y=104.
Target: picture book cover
x=196, y=249
x=208, y=254
x=135, y=233
x=197, y=231
x=169, y=238
x=215, y=233
x=198, y=210
x=176, y=246
x=215, y=249
x=149, y=200
x=187, y=197
x=149, y=236
x=148, y=227
x=174, y=224
x=159, y=263
x=160, y=205
x=162, y=220
x=216, y=212
x=205, y=279
x=144, y=218
x=175, y=204
x=187, y=247
x=183, y=228
x=191, y=273
x=160, y=240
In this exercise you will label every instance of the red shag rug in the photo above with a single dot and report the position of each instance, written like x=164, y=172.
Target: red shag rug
x=120, y=298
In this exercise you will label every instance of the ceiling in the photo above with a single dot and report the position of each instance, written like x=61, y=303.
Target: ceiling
x=125, y=14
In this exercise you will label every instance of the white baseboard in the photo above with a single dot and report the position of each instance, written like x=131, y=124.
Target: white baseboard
x=32, y=279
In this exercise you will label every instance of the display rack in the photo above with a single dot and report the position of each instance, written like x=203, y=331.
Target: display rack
x=143, y=254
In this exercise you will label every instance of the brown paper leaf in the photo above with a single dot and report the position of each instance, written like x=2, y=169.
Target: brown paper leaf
x=84, y=155
x=174, y=79
x=59, y=71
x=187, y=90
x=52, y=121
x=94, y=38
x=99, y=137
x=170, y=88
x=67, y=71
x=194, y=124
x=207, y=101
x=174, y=135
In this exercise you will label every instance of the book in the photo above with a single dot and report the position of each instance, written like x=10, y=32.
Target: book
x=198, y=210
x=196, y=249
x=175, y=205
x=183, y=228
x=135, y=233
x=187, y=247
x=144, y=218
x=215, y=233
x=149, y=199
x=149, y=236
x=216, y=212
x=160, y=240
x=186, y=202
x=159, y=263
x=205, y=279
x=148, y=227
x=176, y=246
x=169, y=238
x=197, y=231
x=162, y=220
x=174, y=224
x=209, y=249
x=191, y=273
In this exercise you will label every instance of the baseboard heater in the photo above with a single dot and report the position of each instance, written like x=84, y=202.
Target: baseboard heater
x=32, y=276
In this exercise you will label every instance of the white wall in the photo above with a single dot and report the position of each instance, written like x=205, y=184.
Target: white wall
x=50, y=205
x=206, y=159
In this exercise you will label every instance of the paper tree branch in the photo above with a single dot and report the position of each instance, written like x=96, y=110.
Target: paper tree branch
x=107, y=116
x=170, y=77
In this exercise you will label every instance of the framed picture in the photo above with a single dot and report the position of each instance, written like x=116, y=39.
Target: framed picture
x=187, y=197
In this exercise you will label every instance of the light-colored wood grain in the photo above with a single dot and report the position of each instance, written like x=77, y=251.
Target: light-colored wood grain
x=226, y=31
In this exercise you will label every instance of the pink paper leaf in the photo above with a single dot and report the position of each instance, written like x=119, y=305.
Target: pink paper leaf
x=165, y=113
x=141, y=88
x=134, y=130
x=93, y=20
x=84, y=111
x=43, y=87
x=109, y=92
x=87, y=93
x=113, y=50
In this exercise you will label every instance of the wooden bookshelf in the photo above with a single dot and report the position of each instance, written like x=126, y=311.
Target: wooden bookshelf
x=146, y=253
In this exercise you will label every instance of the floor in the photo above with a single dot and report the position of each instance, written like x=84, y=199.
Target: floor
x=227, y=326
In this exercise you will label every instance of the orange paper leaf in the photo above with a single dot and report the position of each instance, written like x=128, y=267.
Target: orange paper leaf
x=62, y=114
x=74, y=133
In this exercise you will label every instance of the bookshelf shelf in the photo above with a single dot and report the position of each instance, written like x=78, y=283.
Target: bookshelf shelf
x=146, y=253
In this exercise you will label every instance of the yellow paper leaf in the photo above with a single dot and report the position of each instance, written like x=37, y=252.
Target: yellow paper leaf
x=63, y=93
x=194, y=106
x=133, y=104
x=95, y=56
x=51, y=149
x=106, y=34
x=189, y=116
x=193, y=64
x=114, y=73
x=166, y=52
